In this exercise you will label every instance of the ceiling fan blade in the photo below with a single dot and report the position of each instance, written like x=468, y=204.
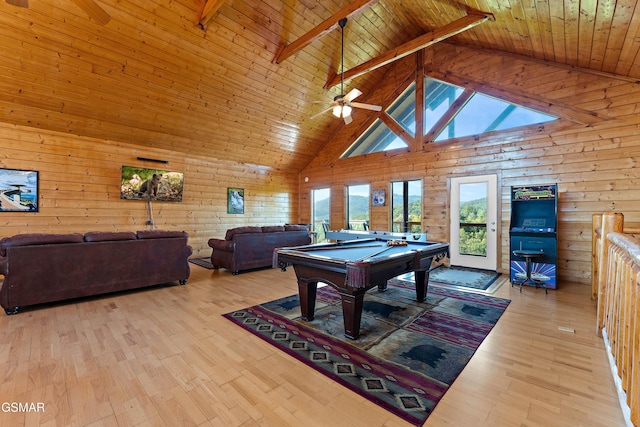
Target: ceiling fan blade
x=94, y=11
x=353, y=94
x=321, y=113
x=366, y=106
x=19, y=3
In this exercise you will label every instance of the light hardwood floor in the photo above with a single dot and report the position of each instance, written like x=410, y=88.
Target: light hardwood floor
x=166, y=357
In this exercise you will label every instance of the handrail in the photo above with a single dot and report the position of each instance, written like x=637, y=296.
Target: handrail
x=615, y=282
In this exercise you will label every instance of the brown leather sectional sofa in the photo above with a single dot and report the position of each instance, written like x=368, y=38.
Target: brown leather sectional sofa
x=43, y=268
x=246, y=248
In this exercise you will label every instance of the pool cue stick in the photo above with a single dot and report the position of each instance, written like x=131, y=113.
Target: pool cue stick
x=336, y=248
x=386, y=248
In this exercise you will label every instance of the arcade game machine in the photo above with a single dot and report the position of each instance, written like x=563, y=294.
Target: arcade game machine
x=533, y=235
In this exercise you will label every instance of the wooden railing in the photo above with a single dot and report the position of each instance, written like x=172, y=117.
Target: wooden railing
x=615, y=283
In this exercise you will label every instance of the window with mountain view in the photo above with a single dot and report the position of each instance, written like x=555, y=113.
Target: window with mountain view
x=406, y=206
x=320, y=208
x=473, y=114
x=358, y=207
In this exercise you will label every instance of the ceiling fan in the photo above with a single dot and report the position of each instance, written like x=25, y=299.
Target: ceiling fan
x=90, y=7
x=342, y=104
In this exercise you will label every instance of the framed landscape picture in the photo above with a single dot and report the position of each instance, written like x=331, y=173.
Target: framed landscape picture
x=18, y=190
x=235, y=200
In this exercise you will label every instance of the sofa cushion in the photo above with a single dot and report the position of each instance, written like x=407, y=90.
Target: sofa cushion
x=241, y=230
x=104, y=236
x=160, y=234
x=272, y=228
x=38, y=239
x=295, y=227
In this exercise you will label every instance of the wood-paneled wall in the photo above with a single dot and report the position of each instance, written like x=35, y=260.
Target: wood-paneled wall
x=592, y=153
x=79, y=189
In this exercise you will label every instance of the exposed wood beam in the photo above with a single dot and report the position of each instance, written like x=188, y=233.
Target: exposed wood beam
x=352, y=9
x=473, y=18
x=397, y=128
x=443, y=122
x=94, y=11
x=209, y=10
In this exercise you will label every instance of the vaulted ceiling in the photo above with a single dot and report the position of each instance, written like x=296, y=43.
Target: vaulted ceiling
x=210, y=79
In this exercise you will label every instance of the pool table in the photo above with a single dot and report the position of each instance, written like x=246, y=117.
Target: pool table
x=355, y=266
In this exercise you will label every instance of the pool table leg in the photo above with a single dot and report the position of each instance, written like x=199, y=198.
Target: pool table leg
x=352, y=314
x=307, y=294
x=422, y=281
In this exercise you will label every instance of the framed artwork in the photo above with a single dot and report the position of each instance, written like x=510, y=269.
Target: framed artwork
x=18, y=190
x=378, y=197
x=235, y=200
x=138, y=183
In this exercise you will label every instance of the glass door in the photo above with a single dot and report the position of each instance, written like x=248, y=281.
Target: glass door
x=473, y=228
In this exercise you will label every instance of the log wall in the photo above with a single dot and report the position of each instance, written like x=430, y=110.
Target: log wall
x=79, y=188
x=592, y=153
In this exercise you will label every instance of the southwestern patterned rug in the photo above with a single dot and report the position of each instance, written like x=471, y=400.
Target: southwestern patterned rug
x=409, y=353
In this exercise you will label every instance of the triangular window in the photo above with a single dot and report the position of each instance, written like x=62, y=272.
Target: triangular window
x=378, y=137
x=403, y=109
x=444, y=118
x=483, y=114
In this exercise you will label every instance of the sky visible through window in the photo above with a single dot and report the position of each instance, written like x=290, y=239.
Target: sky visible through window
x=479, y=115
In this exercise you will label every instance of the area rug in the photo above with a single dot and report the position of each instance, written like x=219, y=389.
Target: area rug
x=461, y=278
x=202, y=262
x=464, y=277
x=409, y=353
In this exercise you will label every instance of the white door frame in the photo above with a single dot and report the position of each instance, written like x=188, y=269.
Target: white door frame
x=490, y=261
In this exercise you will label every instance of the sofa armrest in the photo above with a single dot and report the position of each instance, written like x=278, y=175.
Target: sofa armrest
x=222, y=245
x=3, y=266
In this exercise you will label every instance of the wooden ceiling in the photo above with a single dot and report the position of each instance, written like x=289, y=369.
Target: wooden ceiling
x=158, y=73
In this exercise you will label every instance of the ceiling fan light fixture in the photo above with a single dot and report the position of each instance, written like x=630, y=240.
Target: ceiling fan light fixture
x=341, y=107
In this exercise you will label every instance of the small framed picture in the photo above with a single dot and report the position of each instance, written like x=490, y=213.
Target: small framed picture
x=235, y=200
x=378, y=197
x=18, y=190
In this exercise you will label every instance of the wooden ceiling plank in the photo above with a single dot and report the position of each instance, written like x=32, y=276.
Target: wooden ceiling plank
x=468, y=21
x=621, y=46
x=327, y=25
